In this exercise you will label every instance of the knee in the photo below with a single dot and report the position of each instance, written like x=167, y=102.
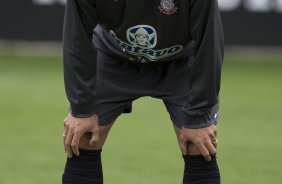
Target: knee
x=103, y=133
x=192, y=149
x=85, y=143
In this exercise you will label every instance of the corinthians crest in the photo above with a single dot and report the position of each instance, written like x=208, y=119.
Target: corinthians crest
x=167, y=7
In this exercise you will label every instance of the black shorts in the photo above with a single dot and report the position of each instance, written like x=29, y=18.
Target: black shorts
x=120, y=82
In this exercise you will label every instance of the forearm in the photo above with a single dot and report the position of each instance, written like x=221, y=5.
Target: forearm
x=80, y=56
x=206, y=30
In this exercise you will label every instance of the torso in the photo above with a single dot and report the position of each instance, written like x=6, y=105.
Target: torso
x=151, y=30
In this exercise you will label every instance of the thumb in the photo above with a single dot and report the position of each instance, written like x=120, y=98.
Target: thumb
x=183, y=147
x=94, y=138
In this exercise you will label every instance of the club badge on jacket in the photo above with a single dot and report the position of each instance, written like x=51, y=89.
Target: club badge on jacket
x=167, y=7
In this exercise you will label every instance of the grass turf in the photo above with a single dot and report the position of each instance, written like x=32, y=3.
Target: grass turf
x=141, y=147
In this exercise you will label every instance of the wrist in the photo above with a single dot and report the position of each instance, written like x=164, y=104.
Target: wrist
x=83, y=110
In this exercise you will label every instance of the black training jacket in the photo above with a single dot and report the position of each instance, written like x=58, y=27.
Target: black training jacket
x=145, y=31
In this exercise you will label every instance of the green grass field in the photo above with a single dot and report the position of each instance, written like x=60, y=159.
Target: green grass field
x=141, y=148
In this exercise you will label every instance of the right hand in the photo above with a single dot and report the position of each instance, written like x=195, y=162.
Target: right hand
x=75, y=128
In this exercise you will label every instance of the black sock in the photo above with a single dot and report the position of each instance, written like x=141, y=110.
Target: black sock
x=84, y=169
x=199, y=171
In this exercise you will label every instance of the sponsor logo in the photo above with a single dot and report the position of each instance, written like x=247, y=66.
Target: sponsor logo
x=142, y=35
x=142, y=39
x=167, y=7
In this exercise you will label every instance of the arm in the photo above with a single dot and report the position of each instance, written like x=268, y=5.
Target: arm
x=207, y=33
x=79, y=73
x=80, y=56
x=201, y=109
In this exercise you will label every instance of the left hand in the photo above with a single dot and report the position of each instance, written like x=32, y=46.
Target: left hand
x=203, y=138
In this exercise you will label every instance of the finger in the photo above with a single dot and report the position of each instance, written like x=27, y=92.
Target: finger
x=215, y=143
x=66, y=130
x=204, y=151
x=211, y=147
x=183, y=147
x=215, y=131
x=94, y=138
x=213, y=137
x=68, y=144
x=64, y=140
x=95, y=135
x=75, y=142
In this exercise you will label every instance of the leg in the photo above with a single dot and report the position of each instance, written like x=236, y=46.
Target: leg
x=103, y=133
x=192, y=149
x=87, y=168
x=197, y=170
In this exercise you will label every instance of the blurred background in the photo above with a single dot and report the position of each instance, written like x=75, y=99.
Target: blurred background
x=141, y=147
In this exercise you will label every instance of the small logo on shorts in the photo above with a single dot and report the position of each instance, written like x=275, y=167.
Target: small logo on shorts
x=167, y=7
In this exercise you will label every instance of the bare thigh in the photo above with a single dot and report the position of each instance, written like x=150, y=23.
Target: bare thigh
x=103, y=133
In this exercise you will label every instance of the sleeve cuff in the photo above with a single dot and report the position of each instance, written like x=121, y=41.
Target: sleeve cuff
x=194, y=122
x=83, y=111
x=202, y=121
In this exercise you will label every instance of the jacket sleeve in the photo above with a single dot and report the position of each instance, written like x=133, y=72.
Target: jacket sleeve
x=79, y=56
x=207, y=34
